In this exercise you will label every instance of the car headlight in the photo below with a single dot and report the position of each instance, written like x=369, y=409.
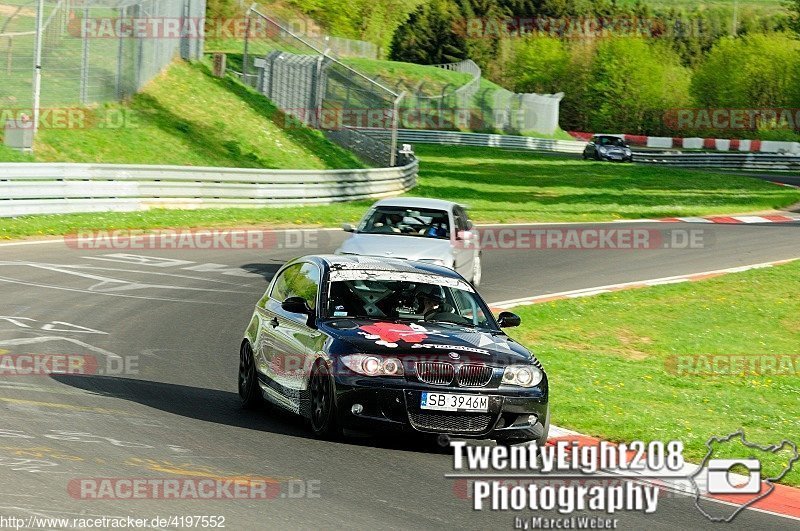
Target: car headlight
x=522, y=375
x=627, y=151
x=602, y=149
x=370, y=365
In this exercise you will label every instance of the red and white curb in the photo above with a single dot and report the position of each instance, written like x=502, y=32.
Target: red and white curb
x=783, y=501
x=588, y=292
x=735, y=220
x=715, y=144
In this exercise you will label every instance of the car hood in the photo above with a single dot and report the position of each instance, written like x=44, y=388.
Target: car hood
x=396, y=246
x=426, y=341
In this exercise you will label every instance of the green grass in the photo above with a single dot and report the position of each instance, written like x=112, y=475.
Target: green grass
x=608, y=361
x=11, y=155
x=498, y=185
x=508, y=186
x=400, y=76
x=188, y=117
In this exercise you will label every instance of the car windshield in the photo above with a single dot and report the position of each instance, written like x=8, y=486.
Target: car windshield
x=423, y=222
x=610, y=141
x=415, y=299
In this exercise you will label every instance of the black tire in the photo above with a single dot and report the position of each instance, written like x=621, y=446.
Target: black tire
x=542, y=440
x=323, y=405
x=249, y=391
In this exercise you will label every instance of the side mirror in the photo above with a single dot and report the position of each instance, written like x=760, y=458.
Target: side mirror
x=508, y=320
x=470, y=225
x=348, y=228
x=296, y=305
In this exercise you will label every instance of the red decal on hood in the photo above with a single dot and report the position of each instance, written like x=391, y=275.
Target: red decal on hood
x=392, y=332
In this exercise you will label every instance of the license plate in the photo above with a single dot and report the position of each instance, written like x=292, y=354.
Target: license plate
x=451, y=402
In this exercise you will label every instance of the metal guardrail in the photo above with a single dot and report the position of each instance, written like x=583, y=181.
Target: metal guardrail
x=730, y=161
x=56, y=188
x=738, y=161
x=488, y=140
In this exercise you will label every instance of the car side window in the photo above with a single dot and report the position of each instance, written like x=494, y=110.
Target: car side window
x=298, y=280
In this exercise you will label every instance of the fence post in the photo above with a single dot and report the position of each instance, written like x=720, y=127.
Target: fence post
x=393, y=142
x=118, y=78
x=9, y=54
x=37, y=65
x=246, y=44
x=84, y=89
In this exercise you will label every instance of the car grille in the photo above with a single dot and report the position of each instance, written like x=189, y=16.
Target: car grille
x=474, y=375
x=435, y=373
x=449, y=422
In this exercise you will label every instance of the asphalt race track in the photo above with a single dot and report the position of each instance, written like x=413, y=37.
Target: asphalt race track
x=164, y=327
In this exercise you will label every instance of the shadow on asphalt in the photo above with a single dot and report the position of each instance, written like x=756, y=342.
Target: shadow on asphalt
x=265, y=270
x=223, y=407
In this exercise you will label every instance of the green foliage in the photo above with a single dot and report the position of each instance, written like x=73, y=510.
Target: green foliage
x=756, y=71
x=632, y=83
x=369, y=20
x=430, y=36
x=794, y=15
x=540, y=64
x=220, y=9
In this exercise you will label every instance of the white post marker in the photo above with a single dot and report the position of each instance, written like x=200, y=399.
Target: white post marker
x=37, y=65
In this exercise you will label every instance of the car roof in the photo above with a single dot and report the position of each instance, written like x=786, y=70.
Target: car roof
x=619, y=137
x=417, y=202
x=355, y=262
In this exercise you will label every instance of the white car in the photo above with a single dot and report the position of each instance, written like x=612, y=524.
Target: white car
x=426, y=230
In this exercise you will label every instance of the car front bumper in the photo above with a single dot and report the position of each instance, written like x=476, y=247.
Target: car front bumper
x=512, y=414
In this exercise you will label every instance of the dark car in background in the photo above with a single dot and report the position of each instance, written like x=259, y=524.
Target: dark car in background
x=371, y=345
x=608, y=147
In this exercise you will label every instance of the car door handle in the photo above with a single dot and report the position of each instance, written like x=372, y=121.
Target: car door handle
x=274, y=322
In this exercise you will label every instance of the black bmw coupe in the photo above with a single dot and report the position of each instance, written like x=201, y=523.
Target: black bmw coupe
x=367, y=345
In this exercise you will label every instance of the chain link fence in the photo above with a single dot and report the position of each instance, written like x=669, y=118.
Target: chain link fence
x=473, y=106
x=313, y=88
x=92, y=50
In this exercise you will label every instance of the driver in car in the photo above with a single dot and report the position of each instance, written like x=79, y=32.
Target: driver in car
x=391, y=223
x=432, y=305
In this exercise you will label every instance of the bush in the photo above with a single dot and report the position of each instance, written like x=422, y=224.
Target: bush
x=754, y=71
x=631, y=85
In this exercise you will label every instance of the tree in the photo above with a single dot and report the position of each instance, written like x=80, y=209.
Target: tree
x=750, y=72
x=539, y=64
x=430, y=36
x=794, y=16
x=633, y=84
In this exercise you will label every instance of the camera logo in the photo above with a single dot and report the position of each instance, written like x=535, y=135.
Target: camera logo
x=740, y=479
x=722, y=479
